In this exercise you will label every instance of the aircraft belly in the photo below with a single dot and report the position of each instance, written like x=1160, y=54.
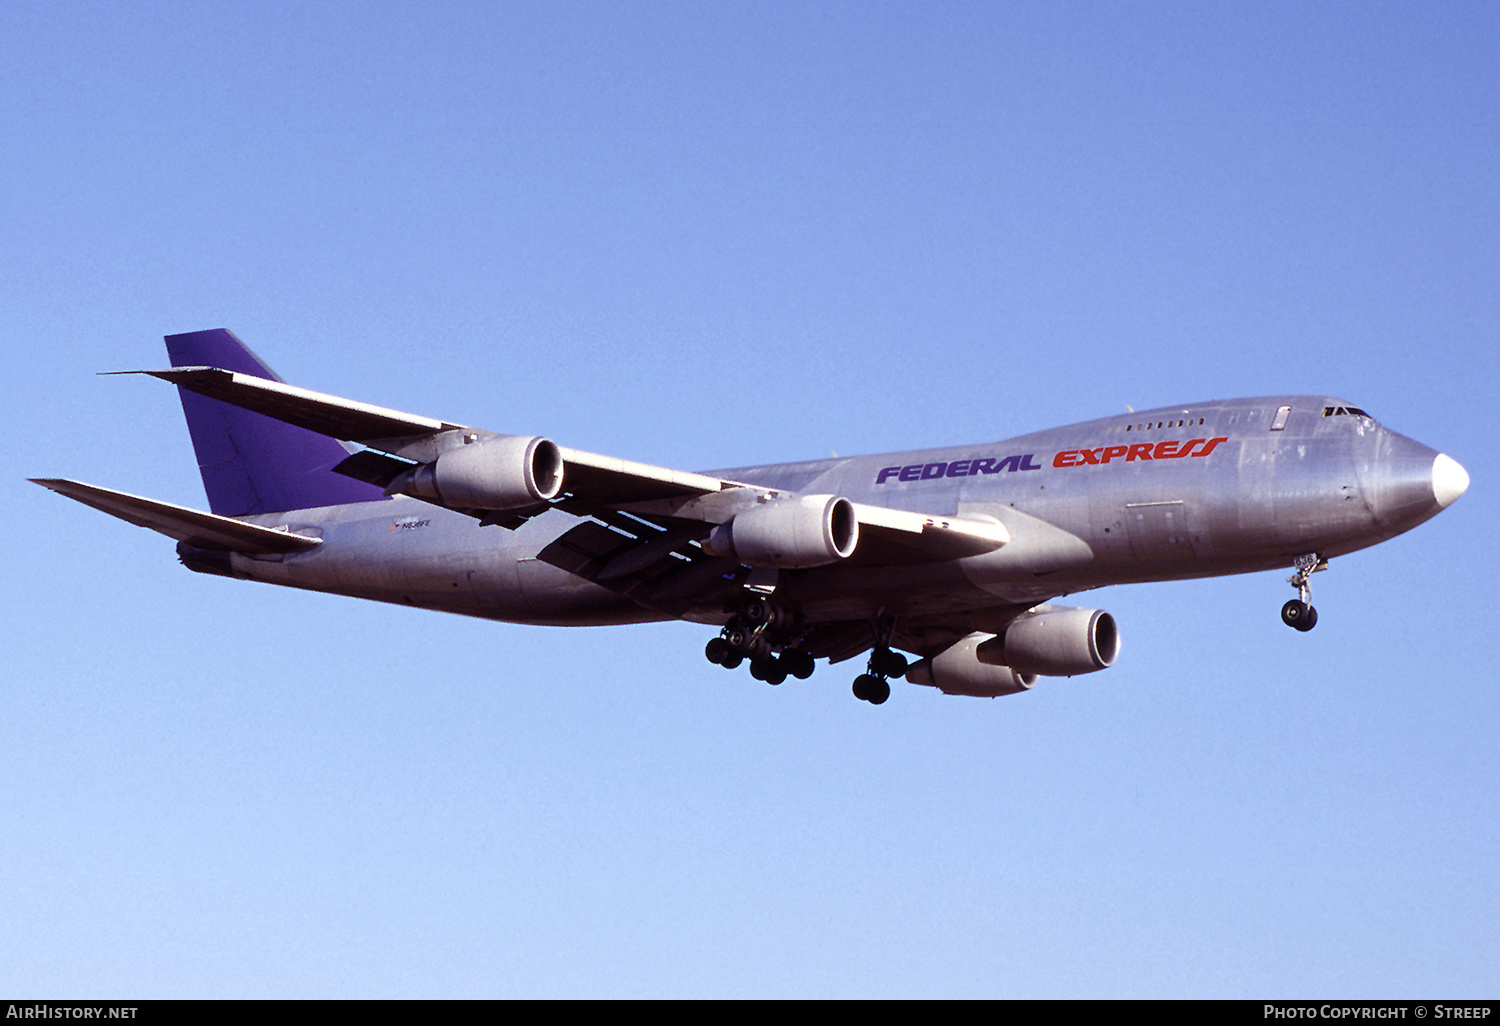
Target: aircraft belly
x=553, y=596
x=860, y=592
x=421, y=555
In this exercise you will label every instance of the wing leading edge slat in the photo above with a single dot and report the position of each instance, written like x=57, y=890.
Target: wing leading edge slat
x=326, y=414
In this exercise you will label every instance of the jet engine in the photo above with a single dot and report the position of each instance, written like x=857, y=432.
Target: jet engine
x=1053, y=641
x=956, y=670
x=810, y=530
x=1056, y=641
x=506, y=472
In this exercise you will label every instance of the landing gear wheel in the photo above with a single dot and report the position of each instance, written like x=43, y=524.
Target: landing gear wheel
x=747, y=643
x=717, y=651
x=768, y=669
x=798, y=663
x=872, y=689
x=1299, y=615
x=762, y=612
x=885, y=663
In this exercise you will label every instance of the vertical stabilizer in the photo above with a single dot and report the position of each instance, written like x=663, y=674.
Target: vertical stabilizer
x=251, y=463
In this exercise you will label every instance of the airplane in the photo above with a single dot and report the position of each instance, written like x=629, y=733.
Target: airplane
x=952, y=556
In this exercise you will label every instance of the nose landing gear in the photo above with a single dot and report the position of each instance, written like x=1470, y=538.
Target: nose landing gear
x=1299, y=613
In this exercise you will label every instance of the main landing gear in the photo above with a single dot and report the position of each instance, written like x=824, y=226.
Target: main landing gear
x=873, y=685
x=763, y=633
x=1299, y=613
x=748, y=635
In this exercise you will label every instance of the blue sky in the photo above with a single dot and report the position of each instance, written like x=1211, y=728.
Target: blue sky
x=713, y=235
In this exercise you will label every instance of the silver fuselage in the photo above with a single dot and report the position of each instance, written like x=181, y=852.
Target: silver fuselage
x=1210, y=489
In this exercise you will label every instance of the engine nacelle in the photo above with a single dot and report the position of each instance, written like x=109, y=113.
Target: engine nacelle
x=956, y=670
x=810, y=530
x=507, y=472
x=1056, y=641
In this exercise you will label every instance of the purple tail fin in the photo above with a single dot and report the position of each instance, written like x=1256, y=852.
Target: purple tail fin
x=251, y=463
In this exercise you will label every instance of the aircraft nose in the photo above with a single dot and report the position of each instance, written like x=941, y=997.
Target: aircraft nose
x=1449, y=480
x=1405, y=482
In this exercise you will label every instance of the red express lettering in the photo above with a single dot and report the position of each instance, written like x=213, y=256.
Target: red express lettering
x=1173, y=450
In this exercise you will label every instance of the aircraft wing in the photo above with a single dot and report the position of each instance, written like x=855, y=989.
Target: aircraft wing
x=397, y=441
x=200, y=530
x=646, y=526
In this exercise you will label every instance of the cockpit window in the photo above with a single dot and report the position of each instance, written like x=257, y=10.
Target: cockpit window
x=1344, y=411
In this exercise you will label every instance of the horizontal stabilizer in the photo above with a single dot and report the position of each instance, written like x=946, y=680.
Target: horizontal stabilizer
x=200, y=530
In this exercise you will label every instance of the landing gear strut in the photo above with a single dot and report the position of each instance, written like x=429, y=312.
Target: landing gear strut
x=1299, y=613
